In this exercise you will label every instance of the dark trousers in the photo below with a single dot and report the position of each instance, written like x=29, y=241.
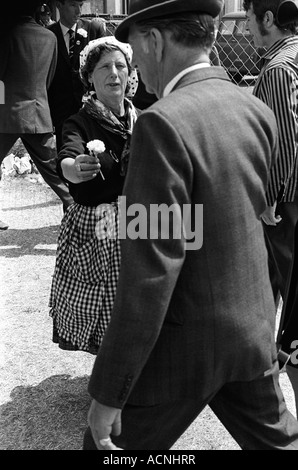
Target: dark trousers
x=253, y=412
x=280, y=245
x=58, y=134
x=42, y=150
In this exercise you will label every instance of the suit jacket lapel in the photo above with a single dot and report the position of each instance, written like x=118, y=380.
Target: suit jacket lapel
x=61, y=42
x=80, y=43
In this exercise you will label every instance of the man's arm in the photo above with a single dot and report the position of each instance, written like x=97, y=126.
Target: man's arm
x=159, y=173
x=280, y=94
x=53, y=63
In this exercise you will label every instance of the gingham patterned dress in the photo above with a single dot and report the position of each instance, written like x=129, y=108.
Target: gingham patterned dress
x=85, y=276
x=88, y=249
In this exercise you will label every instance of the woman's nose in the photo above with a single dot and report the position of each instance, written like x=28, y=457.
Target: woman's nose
x=113, y=70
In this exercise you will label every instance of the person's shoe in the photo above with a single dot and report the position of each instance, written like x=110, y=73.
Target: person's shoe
x=3, y=225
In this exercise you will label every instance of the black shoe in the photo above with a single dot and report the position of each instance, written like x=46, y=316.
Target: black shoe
x=3, y=225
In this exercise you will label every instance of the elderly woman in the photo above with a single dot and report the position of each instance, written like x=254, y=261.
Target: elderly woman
x=87, y=261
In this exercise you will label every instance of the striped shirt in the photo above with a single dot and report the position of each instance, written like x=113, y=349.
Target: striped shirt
x=277, y=86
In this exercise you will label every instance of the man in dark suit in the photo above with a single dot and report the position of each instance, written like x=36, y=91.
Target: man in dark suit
x=66, y=90
x=193, y=320
x=28, y=57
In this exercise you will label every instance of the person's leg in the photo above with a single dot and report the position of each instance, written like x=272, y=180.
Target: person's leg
x=293, y=376
x=274, y=272
x=255, y=413
x=280, y=244
x=6, y=142
x=152, y=427
x=42, y=150
x=58, y=135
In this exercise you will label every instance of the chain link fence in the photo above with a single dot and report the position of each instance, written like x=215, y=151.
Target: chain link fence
x=236, y=51
x=234, y=45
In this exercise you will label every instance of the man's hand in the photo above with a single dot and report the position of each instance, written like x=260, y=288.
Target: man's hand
x=269, y=217
x=103, y=421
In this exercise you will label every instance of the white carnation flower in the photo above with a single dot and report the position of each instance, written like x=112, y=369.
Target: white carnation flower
x=96, y=146
x=82, y=32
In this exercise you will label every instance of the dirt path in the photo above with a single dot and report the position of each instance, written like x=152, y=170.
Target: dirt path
x=43, y=391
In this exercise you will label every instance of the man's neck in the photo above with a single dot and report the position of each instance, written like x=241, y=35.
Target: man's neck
x=66, y=24
x=181, y=63
x=277, y=36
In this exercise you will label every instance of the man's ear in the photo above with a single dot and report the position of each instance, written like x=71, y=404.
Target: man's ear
x=268, y=19
x=157, y=42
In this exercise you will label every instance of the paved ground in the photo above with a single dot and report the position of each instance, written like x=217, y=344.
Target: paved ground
x=31, y=367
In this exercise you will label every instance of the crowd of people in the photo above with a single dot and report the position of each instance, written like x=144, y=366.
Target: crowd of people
x=150, y=117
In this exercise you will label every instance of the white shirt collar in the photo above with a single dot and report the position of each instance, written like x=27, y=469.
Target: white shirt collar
x=181, y=74
x=65, y=29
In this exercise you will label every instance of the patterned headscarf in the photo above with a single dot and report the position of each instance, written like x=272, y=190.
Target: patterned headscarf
x=124, y=47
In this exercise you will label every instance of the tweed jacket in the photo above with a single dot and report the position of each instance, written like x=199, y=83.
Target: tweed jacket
x=66, y=91
x=28, y=58
x=189, y=318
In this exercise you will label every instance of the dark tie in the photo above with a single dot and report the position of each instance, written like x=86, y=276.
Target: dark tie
x=71, y=43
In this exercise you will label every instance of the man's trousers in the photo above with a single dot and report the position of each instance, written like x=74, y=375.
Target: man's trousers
x=253, y=412
x=42, y=150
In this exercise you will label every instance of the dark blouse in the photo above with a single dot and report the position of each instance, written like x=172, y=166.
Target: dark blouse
x=78, y=130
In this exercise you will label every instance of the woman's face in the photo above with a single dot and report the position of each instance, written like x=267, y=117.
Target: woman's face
x=110, y=77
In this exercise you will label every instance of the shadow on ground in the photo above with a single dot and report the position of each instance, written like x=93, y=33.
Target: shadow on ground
x=41, y=205
x=49, y=416
x=15, y=243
